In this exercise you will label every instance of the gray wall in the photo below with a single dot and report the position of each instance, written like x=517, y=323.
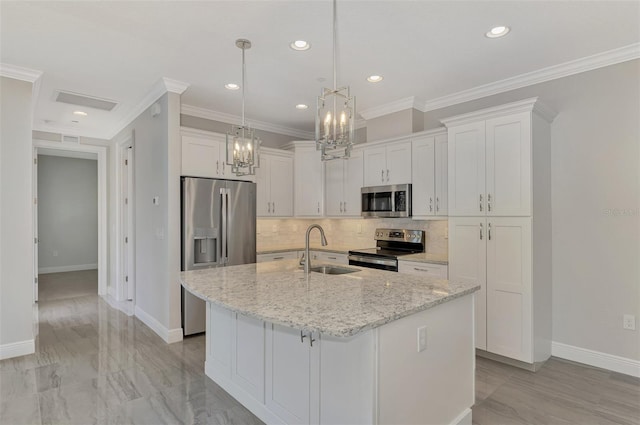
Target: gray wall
x=269, y=139
x=595, y=182
x=395, y=124
x=67, y=214
x=16, y=218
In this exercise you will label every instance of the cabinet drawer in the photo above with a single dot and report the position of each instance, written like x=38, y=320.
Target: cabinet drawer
x=332, y=257
x=289, y=255
x=439, y=271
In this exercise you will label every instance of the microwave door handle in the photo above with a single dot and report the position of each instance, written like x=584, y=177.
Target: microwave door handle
x=393, y=201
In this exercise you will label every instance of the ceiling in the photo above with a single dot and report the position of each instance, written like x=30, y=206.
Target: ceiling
x=424, y=49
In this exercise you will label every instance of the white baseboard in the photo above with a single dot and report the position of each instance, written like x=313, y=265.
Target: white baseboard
x=16, y=349
x=596, y=358
x=464, y=418
x=126, y=307
x=168, y=335
x=60, y=269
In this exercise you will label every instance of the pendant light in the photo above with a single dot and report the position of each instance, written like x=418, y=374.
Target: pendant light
x=243, y=146
x=335, y=118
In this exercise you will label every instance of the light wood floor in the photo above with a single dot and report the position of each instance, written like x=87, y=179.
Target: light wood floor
x=94, y=364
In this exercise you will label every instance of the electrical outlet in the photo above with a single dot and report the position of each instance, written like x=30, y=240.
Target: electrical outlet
x=422, y=338
x=629, y=322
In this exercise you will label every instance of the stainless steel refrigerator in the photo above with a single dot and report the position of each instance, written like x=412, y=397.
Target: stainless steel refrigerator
x=218, y=230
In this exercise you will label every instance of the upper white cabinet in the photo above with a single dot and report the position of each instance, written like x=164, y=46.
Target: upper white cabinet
x=274, y=178
x=343, y=181
x=203, y=155
x=388, y=164
x=429, y=176
x=490, y=166
x=500, y=224
x=308, y=180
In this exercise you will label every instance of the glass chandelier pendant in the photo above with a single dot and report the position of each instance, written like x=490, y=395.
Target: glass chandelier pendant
x=335, y=118
x=243, y=146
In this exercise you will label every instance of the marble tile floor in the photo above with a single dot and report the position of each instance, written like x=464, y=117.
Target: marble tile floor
x=94, y=364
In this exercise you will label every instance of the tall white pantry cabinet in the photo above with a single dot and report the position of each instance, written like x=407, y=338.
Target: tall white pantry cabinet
x=499, y=189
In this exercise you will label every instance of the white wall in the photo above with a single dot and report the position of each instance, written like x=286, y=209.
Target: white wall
x=16, y=219
x=67, y=214
x=595, y=182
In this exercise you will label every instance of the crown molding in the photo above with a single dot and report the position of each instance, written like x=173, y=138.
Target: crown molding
x=19, y=73
x=174, y=86
x=526, y=105
x=208, y=114
x=391, y=107
x=589, y=63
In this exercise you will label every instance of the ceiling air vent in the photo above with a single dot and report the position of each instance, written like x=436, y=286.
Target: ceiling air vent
x=70, y=139
x=83, y=100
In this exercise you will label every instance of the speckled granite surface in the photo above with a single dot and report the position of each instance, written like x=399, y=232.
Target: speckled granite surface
x=423, y=257
x=337, y=305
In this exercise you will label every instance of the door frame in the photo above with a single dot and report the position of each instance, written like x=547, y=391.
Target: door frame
x=121, y=147
x=101, y=152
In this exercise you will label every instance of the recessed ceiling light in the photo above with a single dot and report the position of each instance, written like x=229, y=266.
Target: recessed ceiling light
x=301, y=106
x=231, y=86
x=81, y=113
x=499, y=31
x=300, y=45
x=375, y=78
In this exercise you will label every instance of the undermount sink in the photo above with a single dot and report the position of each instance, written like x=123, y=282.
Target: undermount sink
x=333, y=270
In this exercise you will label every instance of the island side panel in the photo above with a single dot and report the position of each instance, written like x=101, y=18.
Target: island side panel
x=435, y=386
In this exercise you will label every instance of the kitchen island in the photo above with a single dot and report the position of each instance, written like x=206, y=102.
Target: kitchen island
x=369, y=347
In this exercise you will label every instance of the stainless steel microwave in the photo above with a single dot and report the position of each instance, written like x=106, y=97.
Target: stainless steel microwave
x=386, y=201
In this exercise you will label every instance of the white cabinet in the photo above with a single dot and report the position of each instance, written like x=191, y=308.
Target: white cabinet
x=429, y=176
x=288, y=255
x=500, y=237
x=203, y=155
x=247, y=365
x=274, y=178
x=490, y=167
x=292, y=374
x=308, y=180
x=388, y=164
x=343, y=181
x=330, y=257
x=416, y=268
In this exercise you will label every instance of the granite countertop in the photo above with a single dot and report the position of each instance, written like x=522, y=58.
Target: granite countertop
x=337, y=305
x=424, y=257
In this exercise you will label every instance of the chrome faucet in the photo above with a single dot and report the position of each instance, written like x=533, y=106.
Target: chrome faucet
x=307, y=262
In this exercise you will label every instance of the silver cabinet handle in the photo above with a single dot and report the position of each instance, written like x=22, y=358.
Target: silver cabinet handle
x=382, y=176
x=345, y=206
x=311, y=340
x=489, y=231
x=480, y=231
x=269, y=207
x=332, y=258
x=318, y=206
x=302, y=336
x=481, y=202
x=421, y=270
x=274, y=207
x=387, y=174
x=489, y=202
x=217, y=167
x=437, y=203
x=278, y=258
x=340, y=206
x=223, y=167
x=430, y=204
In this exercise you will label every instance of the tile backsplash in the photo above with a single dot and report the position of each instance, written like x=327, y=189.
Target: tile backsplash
x=351, y=233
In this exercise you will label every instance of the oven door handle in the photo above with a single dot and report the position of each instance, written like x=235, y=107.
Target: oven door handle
x=371, y=260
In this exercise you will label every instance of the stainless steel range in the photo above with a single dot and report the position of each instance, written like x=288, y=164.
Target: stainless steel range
x=390, y=244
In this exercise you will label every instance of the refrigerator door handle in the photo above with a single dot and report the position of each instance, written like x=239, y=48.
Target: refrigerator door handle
x=223, y=226
x=226, y=227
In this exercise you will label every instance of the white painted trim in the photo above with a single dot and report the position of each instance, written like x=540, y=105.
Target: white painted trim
x=68, y=154
x=464, y=418
x=174, y=86
x=526, y=105
x=126, y=307
x=19, y=73
x=61, y=269
x=391, y=107
x=208, y=114
x=596, y=358
x=168, y=335
x=589, y=63
x=16, y=349
x=103, y=235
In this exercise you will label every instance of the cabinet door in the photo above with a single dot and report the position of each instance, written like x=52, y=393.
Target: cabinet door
x=218, y=339
x=423, y=194
x=354, y=169
x=200, y=157
x=468, y=262
x=441, y=168
x=399, y=163
x=375, y=166
x=467, y=170
x=263, y=187
x=281, y=189
x=288, y=374
x=509, y=287
x=334, y=186
x=308, y=183
x=248, y=359
x=509, y=165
